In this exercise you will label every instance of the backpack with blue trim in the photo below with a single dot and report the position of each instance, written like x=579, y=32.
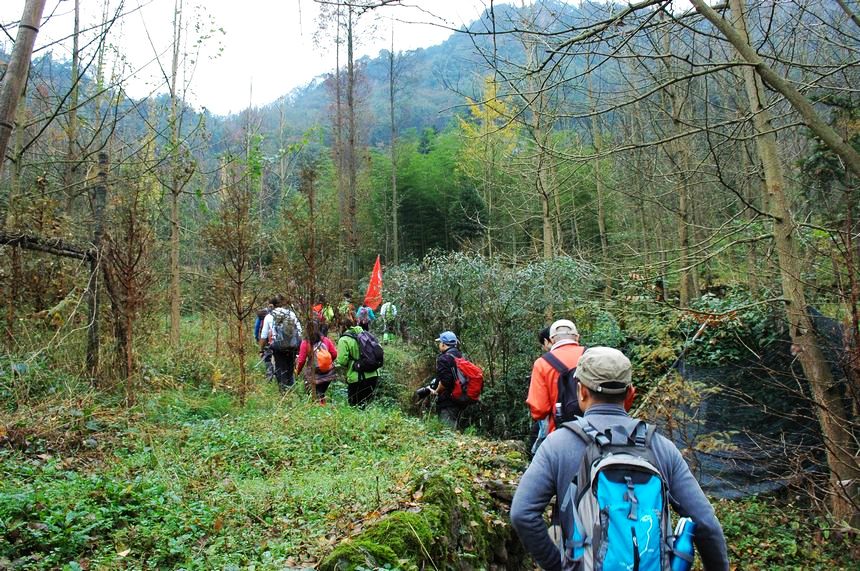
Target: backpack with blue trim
x=621, y=508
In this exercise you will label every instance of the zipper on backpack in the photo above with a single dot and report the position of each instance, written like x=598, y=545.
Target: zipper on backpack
x=635, y=549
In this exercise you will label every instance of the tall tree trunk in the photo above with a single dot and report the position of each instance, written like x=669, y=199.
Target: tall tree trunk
x=175, y=189
x=544, y=176
x=597, y=143
x=679, y=158
x=12, y=213
x=72, y=130
x=752, y=247
x=339, y=152
x=394, y=204
x=99, y=194
x=129, y=358
x=352, y=236
x=841, y=448
x=309, y=182
x=16, y=73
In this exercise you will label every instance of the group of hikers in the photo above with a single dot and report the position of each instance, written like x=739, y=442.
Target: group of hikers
x=613, y=476
x=288, y=349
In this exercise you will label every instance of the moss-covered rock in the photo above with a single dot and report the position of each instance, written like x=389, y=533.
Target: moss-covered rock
x=360, y=552
x=455, y=526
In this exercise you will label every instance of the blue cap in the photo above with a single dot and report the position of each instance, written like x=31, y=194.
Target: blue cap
x=447, y=337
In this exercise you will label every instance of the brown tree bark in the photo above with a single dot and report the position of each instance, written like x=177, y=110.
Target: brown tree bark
x=176, y=186
x=841, y=448
x=597, y=143
x=99, y=197
x=16, y=72
x=679, y=158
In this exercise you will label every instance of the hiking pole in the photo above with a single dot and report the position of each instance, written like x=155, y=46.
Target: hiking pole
x=662, y=379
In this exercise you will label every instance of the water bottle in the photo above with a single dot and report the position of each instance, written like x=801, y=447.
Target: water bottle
x=683, y=552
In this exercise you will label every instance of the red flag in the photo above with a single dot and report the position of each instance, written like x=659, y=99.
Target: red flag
x=373, y=297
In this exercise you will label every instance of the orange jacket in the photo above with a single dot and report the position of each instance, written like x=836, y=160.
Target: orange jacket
x=543, y=388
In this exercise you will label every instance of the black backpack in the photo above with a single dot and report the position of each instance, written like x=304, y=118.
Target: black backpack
x=567, y=406
x=370, y=353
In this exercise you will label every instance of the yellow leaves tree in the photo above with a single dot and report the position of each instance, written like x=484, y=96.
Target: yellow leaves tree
x=490, y=141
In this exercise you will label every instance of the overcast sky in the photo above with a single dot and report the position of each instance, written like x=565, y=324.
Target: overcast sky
x=267, y=44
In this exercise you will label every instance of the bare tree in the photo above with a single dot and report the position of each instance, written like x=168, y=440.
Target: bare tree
x=16, y=72
x=840, y=444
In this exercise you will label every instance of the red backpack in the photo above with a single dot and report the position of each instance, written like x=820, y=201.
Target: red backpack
x=470, y=379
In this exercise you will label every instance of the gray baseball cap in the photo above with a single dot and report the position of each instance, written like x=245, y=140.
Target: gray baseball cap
x=604, y=370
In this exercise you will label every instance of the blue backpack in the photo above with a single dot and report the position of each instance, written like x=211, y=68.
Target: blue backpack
x=621, y=513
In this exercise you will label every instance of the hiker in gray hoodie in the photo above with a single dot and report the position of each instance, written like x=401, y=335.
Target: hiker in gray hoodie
x=605, y=387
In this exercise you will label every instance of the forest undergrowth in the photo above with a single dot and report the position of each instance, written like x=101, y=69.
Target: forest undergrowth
x=187, y=479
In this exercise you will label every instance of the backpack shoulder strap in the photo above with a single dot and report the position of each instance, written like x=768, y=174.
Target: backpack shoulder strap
x=555, y=362
x=586, y=436
x=586, y=432
x=648, y=431
x=594, y=441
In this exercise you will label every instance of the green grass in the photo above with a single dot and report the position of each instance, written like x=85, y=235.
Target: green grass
x=186, y=479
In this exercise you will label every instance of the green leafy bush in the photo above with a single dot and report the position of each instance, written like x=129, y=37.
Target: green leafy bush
x=738, y=327
x=496, y=311
x=763, y=534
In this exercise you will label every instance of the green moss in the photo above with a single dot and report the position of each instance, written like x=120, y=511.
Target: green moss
x=407, y=533
x=359, y=552
x=449, y=532
x=402, y=539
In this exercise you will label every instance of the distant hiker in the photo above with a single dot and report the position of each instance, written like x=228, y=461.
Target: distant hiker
x=345, y=313
x=361, y=355
x=552, y=391
x=265, y=353
x=364, y=316
x=540, y=428
x=258, y=323
x=638, y=471
x=282, y=334
x=319, y=353
x=447, y=407
x=324, y=314
x=388, y=311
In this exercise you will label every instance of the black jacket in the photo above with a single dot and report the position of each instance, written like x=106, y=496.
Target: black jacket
x=446, y=377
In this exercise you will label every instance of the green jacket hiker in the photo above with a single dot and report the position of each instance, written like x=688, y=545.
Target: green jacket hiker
x=361, y=387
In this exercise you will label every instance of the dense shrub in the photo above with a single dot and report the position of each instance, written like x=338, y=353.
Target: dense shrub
x=496, y=311
x=738, y=327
